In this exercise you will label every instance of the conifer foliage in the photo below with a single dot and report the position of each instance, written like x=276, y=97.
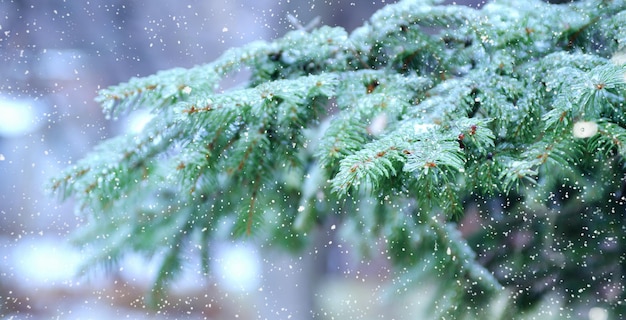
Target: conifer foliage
x=486, y=146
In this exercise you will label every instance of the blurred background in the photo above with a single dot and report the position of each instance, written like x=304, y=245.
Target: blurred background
x=54, y=56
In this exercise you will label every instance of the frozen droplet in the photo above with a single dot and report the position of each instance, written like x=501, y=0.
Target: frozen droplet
x=2, y=158
x=585, y=129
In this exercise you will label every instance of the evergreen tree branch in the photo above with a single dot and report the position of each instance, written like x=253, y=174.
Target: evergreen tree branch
x=395, y=128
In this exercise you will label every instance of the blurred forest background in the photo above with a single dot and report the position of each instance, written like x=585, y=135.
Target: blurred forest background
x=54, y=56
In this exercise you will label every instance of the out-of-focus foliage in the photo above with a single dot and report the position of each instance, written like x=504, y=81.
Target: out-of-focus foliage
x=403, y=129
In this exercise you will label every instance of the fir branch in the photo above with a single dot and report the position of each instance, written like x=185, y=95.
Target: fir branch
x=367, y=168
x=168, y=87
x=426, y=106
x=616, y=28
x=344, y=136
x=610, y=137
x=598, y=90
x=253, y=197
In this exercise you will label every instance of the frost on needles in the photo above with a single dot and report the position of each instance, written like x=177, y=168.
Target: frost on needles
x=452, y=133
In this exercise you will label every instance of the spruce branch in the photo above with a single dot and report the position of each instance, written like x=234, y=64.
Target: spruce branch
x=396, y=129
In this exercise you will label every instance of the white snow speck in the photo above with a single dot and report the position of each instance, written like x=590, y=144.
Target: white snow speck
x=596, y=313
x=137, y=121
x=18, y=117
x=237, y=267
x=378, y=124
x=45, y=262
